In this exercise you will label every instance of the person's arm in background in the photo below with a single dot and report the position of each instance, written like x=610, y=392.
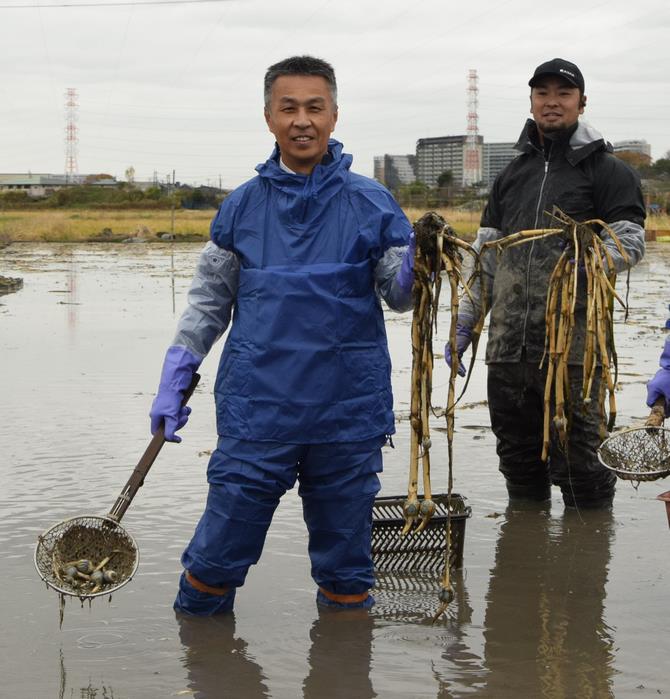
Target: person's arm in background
x=659, y=385
x=471, y=309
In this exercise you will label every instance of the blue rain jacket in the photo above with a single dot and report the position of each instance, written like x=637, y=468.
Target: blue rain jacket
x=306, y=360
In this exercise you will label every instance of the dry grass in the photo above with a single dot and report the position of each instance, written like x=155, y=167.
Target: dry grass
x=658, y=222
x=72, y=225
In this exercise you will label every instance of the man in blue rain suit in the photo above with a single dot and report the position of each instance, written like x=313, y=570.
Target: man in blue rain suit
x=300, y=254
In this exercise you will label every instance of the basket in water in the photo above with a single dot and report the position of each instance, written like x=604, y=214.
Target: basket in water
x=422, y=551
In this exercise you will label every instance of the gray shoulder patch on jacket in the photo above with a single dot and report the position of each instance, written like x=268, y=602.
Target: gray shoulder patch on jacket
x=210, y=300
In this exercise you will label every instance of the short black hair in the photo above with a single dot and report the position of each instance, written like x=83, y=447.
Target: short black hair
x=300, y=65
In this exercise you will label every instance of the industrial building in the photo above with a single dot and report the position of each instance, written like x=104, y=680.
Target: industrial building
x=437, y=155
x=395, y=170
x=495, y=158
x=41, y=184
x=633, y=146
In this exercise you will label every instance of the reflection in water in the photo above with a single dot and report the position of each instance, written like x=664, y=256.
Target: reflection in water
x=217, y=662
x=412, y=598
x=63, y=676
x=219, y=665
x=544, y=629
x=172, y=271
x=72, y=296
x=88, y=692
x=339, y=659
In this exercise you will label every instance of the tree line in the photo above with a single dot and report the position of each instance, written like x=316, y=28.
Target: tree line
x=121, y=196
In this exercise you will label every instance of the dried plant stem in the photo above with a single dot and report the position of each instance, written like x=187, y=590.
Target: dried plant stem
x=437, y=254
x=585, y=253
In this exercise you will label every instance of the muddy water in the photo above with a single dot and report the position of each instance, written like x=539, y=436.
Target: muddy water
x=549, y=603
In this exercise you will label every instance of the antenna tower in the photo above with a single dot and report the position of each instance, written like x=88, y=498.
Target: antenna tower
x=472, y=165
x=71, y=139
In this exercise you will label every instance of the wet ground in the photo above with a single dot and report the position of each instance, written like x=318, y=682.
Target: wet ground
x=549, y=603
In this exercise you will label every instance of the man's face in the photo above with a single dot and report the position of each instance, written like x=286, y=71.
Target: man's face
x=301, y=115
x=555, y=104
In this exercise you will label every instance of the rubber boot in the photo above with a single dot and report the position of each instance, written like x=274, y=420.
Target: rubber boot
x=192, y=601
x=323, y=601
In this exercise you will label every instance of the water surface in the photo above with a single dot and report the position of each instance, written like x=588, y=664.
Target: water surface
x=549, y=603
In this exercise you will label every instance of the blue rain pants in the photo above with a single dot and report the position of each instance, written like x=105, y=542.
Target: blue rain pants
x=338, y=485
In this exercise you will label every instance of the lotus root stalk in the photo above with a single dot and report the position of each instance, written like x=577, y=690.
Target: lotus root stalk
x=438, y=254
x=584, y=254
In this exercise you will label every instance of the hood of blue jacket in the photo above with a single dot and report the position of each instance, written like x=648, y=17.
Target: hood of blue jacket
x=308, y=195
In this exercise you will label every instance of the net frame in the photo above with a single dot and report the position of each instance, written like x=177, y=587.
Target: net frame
x=87, y=536
x=638, y=453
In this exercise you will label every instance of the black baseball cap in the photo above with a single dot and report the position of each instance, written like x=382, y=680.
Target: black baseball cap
x=561, y=68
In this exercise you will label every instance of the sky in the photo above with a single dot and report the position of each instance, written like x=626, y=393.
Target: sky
x=176, y=85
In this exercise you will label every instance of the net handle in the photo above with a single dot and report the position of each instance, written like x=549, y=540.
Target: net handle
x=146, y=461
x=657, y=414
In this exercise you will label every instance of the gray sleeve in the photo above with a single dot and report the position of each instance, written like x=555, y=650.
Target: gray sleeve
x=385, y=273
x=631, y=237
x=210, y=300
x=469, y=310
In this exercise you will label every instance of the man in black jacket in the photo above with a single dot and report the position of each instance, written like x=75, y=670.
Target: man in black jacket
x=565, y=163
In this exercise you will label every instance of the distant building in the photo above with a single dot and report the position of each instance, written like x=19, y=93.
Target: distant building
x=495, y=157
x=378, y=169
x=41, y=184
x=35, y=184
x=633, y=146
x=439, y=154
x=394, y=171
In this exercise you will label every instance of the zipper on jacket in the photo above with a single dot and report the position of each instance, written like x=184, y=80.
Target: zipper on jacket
x=530, y=254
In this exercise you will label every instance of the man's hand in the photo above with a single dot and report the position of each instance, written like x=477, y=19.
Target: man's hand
x=463, y=340
x=405, y=275
x=659, y=386
x=178, y=369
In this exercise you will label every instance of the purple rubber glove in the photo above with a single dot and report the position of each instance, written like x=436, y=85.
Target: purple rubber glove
x=463, y=340
x=178, y=369
x=405, y=276
x=659, y=386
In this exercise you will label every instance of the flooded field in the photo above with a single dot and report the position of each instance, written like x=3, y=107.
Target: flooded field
x=549, y=603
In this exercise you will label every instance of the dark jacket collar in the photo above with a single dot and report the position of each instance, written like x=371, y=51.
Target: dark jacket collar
x=576, y=143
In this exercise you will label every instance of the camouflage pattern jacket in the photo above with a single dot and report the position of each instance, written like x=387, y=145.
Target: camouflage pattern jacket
x=578, y=173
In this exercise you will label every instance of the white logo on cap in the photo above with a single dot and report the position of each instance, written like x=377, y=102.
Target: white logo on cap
x=562, y=70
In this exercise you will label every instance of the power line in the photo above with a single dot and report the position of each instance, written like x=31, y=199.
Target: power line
x=111, y=4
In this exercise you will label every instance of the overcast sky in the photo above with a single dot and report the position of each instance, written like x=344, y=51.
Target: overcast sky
x=178, y=85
